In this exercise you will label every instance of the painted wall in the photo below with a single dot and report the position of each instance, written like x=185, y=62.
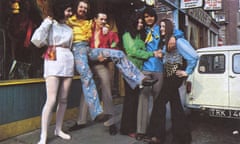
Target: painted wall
x=21, y=106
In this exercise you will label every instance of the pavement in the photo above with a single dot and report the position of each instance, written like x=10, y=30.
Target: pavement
x=94, y=133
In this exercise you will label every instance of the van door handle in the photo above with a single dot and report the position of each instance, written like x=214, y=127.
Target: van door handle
x=231, y=76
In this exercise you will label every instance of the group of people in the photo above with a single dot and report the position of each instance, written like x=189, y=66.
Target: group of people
x=152, y=66
x=177, y=60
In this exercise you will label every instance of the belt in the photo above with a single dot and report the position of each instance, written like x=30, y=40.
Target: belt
x=62, y=46
x=83, y=41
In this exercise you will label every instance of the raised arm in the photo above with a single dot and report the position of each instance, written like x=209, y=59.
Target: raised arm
x=40, y=36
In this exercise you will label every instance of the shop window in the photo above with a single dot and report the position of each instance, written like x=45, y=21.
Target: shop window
x=19, y=59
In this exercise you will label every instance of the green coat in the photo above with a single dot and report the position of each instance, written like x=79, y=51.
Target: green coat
x=135, y=49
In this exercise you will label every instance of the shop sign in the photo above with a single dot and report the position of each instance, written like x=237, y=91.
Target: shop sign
x=200, y=15
x=212, y=4
x=185, y=4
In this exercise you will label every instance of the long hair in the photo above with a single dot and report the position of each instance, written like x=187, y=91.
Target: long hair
x=58, y=8
x=132, y=25
x=168, y=31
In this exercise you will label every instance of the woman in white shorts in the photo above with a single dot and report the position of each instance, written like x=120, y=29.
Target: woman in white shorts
x=58, y=72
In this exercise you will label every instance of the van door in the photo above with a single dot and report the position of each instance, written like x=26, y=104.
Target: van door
x=210, y=85
x=234, y=80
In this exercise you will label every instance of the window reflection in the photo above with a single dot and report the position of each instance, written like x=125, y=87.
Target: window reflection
x=19, y=59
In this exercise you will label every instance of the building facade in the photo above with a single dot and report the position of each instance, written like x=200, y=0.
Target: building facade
x=228, y=17
x=198, y=25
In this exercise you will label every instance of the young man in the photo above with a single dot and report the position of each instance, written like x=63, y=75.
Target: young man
x=103, y=39
x=81, y=34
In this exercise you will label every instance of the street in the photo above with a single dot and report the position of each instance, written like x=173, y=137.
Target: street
x=205, y=130
x=209, y=130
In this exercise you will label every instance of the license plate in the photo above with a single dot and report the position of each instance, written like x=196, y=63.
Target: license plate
x=224, y=113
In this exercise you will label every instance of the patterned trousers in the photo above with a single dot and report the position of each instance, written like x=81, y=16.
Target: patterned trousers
x=130, y=72
x=80, y=52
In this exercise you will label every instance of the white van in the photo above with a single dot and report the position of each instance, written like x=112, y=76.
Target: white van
x=214, y=86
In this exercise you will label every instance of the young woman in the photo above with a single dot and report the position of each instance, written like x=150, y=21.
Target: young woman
x=175, y=72
x=133, y=42
x=57, y=73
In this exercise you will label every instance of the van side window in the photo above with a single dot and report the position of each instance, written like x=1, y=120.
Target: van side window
x=236, y=63
x=214, y=63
